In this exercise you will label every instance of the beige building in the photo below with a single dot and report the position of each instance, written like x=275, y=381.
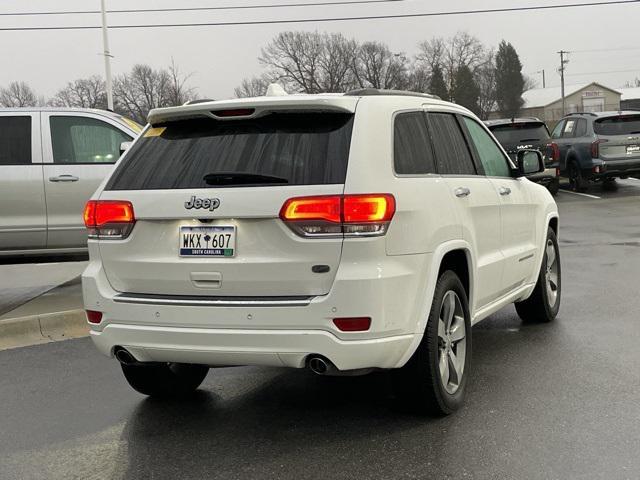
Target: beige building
x=546, y=103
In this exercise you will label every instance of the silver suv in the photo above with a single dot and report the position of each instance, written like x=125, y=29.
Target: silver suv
x=51, y=162
x=341, y=233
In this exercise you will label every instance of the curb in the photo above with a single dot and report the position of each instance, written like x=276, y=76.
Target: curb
x=38, y=329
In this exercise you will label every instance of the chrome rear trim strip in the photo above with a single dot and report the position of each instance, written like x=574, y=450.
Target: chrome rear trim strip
x=201, y=301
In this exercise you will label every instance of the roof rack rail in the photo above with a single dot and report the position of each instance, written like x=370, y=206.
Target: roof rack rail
x=367, y=92
x=582, y=113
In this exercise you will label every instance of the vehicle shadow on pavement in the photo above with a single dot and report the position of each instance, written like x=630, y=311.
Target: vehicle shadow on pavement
x=265, y=417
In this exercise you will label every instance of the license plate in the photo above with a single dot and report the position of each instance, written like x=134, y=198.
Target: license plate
x=213, y=241
x=631, y=149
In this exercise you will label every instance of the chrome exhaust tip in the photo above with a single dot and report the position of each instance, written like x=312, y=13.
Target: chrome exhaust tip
x=124, y=357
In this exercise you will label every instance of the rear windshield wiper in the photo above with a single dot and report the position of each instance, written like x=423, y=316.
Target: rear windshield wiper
x=239, y=178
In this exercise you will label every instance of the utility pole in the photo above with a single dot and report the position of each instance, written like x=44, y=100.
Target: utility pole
x=107, y=56
x=544, y=82
x=563, y=62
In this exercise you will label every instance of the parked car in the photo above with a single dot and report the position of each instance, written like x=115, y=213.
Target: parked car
x=341, y=233
x=516, y=134
x=51, y=162
x=597, y=147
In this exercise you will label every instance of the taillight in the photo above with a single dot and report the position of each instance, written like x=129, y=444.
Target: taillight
x=94, y=317
x=109, y=219
x=595, y=148
x=555, y=151
x=354, y=324
x=337, y=215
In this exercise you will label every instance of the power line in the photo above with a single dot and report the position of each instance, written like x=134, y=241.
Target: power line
x=601, y=73
x=332, y=19
x=620, y=49
x=194, y=9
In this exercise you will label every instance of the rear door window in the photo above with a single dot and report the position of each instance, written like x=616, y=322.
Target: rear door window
x=569, y=128
x=15, y=140
x=412, y=153
x=450, y=147
x=77, y=139
x=276, y=149
x=623, y=125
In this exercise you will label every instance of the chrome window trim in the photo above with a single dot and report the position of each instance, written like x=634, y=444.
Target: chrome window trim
x=203, y=301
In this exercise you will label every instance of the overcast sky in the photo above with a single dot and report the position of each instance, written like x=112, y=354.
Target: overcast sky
x=219, y=57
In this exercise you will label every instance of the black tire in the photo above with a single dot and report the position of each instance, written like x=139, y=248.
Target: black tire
x=419, y=383
x=576, y=181
x=553, y=187
x=164, y=379
x=541, y=306
x=610, y=184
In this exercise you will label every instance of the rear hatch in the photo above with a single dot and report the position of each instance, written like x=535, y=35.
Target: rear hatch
x=522, y=135
x=206, y=194
x=618, y=137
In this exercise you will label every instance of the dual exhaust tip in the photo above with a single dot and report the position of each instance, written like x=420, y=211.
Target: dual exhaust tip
x=321, y=366
x=124, y=356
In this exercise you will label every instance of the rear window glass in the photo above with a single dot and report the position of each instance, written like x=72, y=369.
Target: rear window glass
x=627, y=125
x=520, y=133
x=15, y=140
x=277, y=149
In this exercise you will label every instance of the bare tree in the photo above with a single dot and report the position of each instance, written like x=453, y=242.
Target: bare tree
x=461, y=50
x=82, y=93
x=311, y=62
x=144, y=88
x=18, y=94
x=252, y=87
x=178, y=91
x=378, y=67
x=486, y=81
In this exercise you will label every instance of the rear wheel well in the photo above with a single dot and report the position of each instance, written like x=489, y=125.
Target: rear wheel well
x=553, y=224
x=457, y=262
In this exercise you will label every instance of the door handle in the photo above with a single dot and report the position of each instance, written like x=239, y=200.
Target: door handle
x=504, y=190
x=64, y=178
x=462, y=192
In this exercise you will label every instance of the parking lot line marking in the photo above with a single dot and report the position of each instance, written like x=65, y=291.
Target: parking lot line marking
x=581, y=194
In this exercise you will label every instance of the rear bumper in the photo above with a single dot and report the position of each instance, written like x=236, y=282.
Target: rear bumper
x=548, y=176
x=617, y=168
x=218, y=347
x=390, y=291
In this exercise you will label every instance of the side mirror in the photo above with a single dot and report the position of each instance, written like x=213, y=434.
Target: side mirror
x=124, y=146
x=530, y=162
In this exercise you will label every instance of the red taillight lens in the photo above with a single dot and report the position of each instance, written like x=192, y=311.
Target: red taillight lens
x=94, y=317
x=312, y=208
x=595, y=148
x=356, y=324
x=368, y=208
x=109, y=219
x=555, y=151
x=335, y=215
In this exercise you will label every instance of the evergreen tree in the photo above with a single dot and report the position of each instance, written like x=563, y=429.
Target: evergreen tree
x=509, y=81
x=465, y=91
x=437, y=85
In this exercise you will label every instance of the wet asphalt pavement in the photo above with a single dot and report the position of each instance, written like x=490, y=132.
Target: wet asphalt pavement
x=558, y=401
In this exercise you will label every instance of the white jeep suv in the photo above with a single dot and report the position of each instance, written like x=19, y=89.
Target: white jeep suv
x=342, y=233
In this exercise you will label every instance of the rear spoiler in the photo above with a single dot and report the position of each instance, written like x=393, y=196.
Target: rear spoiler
x=254, y=108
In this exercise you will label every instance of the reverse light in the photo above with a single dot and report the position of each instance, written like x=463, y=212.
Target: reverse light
x=94, y=317
x=353, y=324
x=109, y=219
x=339, y=215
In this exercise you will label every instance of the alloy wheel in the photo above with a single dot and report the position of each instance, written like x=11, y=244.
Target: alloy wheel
x=452, y=342
x=551, y=273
